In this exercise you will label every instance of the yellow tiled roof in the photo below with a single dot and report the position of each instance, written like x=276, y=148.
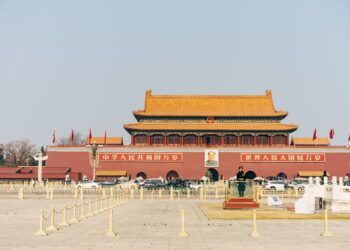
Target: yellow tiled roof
x=109, y=141
x=310, y=173
x=183, y=126
x=297, y=141
x=110, y=172
x=209, y=105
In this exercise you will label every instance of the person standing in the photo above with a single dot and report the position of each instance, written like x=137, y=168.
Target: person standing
x=241, y=181
x=325, y=174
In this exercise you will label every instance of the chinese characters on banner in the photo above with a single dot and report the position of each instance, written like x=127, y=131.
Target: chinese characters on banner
x=283, y=157
x=141, y=157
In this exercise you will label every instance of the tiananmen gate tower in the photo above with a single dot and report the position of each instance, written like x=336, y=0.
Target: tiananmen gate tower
x=191, y=136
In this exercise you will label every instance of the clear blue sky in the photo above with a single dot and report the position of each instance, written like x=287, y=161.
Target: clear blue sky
x=85, y=64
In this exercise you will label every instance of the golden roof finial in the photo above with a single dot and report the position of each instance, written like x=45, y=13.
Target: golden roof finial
x=148, y=94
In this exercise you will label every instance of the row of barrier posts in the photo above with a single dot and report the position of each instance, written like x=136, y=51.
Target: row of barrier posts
x=255, y=233
x=204, y=192
x=100, y=206
x=325, y=233
x=111, y=231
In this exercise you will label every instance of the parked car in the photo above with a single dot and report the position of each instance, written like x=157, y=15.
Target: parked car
x=194, y=185
x=154, y=183
x=178, y=183
x=109, y=183
x=88, y=184
x=346, y=186
x=277, y=185
x=300, y=186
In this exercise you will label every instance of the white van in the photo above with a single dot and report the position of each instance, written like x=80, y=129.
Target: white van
x=277, y=185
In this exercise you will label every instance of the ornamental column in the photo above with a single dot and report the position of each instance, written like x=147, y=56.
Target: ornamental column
x=222, y=140
x=40, y=158
x=254, y=140
x=198, y=140
x=165, y=139
x=238, y=140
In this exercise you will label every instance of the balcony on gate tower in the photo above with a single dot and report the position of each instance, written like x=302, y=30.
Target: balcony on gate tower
x=209, y=121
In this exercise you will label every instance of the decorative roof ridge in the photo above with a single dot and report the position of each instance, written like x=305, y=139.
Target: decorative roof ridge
x=140, y=111
x=210, y=96
x=177, y=122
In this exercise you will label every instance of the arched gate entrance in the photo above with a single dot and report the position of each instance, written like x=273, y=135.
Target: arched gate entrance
x=212, y=174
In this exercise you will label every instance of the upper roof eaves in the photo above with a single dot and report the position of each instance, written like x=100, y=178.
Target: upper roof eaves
x=209, y=105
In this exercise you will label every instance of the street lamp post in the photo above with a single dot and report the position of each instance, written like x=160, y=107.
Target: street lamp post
x=94, y=162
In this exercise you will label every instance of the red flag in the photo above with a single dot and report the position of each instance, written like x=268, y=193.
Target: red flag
x=54, y=136
x=90, y=136
x=331, y=134
x=72, y=136
x=349, y=138
x=105, y=137
x=314, y=137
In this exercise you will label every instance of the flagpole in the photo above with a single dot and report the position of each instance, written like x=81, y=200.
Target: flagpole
x=314, y=137
x=54, y=136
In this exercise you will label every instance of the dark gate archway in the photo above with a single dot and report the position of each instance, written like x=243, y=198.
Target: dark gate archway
x=212, y=174
x=282, y=175
x=172, y=175
x=142, y=175
x=250, y=175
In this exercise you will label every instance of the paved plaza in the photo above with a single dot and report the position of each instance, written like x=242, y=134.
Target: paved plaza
x=141, y=224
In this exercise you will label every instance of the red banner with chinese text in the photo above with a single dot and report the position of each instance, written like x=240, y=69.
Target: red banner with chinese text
x=283, y=157
x=141, y=157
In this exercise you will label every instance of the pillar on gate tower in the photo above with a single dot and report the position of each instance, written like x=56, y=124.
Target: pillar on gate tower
x=287, y=140
x=270, y=140
x=149, y=139
x=132, y=139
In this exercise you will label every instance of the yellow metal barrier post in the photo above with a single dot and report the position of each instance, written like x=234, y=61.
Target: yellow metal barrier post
x=41, y=231
x=326, y=232
x=64, y=217
x=111, y=231
x=183, y=232
x=52, y=226
x=254, y=233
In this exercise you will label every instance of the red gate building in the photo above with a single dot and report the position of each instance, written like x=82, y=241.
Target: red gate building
x=192, y=136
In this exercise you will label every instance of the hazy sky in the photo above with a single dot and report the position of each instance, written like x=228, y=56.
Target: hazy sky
x=85, y=64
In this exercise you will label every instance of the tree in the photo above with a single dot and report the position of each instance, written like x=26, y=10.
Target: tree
x=43, y=150
x=79, y=139
x=19, y=152
x=2, y=157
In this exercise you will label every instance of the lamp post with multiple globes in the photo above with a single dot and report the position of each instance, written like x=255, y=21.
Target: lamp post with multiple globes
x=94, y=159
